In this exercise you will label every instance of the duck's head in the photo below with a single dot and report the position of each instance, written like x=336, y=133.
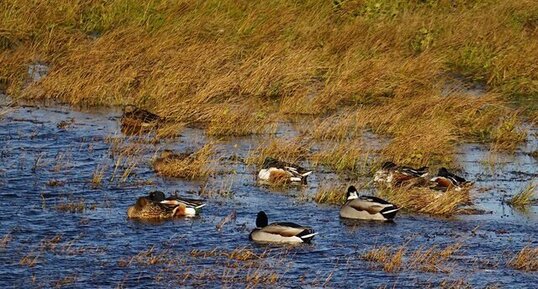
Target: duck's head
x=388, y=165
x=352, y=193
x=443, y=172
x=261, y=220
x=270, y=162
x=156, y=196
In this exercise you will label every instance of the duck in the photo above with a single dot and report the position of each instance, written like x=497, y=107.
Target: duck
x=157, y=206
x=391, y=174
x=136, y=120
x=275, y=171
x=282, y=232
x=446, y=180
x=367, y=207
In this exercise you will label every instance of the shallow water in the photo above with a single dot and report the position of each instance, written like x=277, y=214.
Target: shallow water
x=94, y=247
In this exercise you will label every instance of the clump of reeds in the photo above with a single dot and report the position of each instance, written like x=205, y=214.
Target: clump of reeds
x=394, y=259
x=523, y=198
x=192, y=166
x=288, y=150
x=342, y=157
x=526, y=259
x=330, y=195
x=390, y=258
x=427, y=201
x=74, y=206
x=432, y=259
x=239, y=120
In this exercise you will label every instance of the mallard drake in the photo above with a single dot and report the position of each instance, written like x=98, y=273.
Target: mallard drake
x=157, y=206
x=283, y=232
x=136, y=120
x=275, y=171
x=391, y=174
x=367, y=207
x=446, y=180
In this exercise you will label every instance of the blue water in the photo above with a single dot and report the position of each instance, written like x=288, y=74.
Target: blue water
x=97, y=248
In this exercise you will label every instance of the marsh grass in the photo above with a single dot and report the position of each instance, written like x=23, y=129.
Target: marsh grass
x=427, y=201
x=4, y=242
x=523, y=198
x=193, y=166
x=330, y=194
x=345, y=157
x=379, y=65
x=288, y=150
x=395, y=259
x=70, y=205
x=525, y=260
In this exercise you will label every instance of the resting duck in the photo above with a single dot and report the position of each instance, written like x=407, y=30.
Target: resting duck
x=135, y=120
x=284, y=232
x=156, y=206
x=391, y=174
x=367, y=207
x=275, y=171
x=446, y=180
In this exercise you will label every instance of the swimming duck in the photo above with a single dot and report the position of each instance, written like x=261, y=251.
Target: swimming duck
x=156, y=206
x=135, y=120
x=367, y=207
x=276, y=171
x=283, y=232
x=446, y=180
x=391, y=174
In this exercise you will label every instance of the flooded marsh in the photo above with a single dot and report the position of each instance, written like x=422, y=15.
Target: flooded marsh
x=67, y=178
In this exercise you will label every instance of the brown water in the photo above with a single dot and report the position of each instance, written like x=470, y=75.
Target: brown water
x=45, y=246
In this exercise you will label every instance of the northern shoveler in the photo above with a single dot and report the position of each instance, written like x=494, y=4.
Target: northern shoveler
x=157, y=206
x=367, y=207
x=446, y=180
x=283, y=232
x=391, y=174
x=275, y=171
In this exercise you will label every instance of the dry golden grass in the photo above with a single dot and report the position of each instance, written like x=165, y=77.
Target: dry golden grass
x=193, y=166
x=4, y=242
x=74, y=206
x=343, y=157
x=331, y=195
x=523, y=198
x=394, y=259
x=432, y=259
x=427, y=201
x=390, y=258
x=526, y=259
x=292, y=150
x=378, y=65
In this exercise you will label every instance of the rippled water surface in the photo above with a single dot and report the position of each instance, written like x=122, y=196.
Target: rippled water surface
x=60, y=229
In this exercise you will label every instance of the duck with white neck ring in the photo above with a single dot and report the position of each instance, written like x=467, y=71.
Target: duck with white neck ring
x=367, y=207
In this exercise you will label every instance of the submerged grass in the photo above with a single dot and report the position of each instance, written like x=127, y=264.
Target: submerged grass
x=235, y=66
x=427, y=201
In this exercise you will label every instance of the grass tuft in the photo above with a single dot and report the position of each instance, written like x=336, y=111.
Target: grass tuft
x=525, y=260
x=193, y=166
x=523, y=198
